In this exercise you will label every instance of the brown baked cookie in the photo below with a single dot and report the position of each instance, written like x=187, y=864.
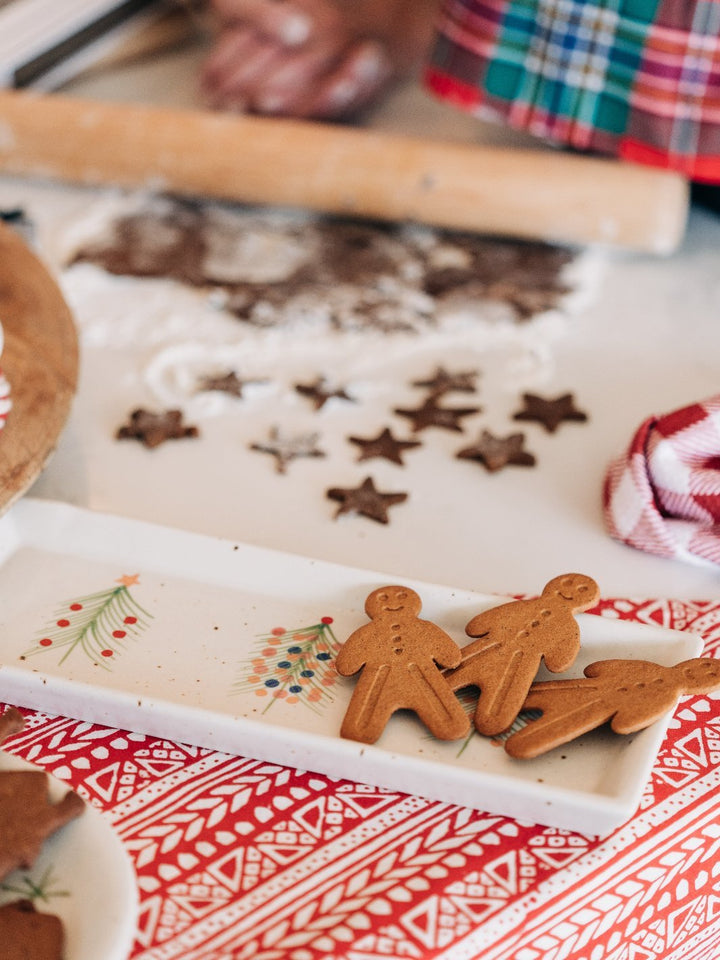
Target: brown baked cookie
x=550, y=412
x=513, y=639
x=11, y=721
x=152, y=429
x=431, y=414
x=319, y=392
x=26, y=934
x=384, y=445
x=399, y=655
x=495, y=453
x=631, y=694
x=28, y=817
x=365, y=500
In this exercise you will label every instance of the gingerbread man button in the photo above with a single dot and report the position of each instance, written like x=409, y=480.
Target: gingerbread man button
x=513, y=639
x=399, y=656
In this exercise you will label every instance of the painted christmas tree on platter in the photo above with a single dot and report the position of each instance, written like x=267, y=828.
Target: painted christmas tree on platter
x=98, y=625
x=295, y=666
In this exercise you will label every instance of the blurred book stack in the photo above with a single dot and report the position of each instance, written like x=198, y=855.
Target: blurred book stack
x=45, y=43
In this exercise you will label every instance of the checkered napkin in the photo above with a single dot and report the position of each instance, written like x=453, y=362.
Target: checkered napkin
x=663, y=494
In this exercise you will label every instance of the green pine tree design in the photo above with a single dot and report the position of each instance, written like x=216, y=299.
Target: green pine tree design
x=294, y=666
x=99, y=624
x=44, y=888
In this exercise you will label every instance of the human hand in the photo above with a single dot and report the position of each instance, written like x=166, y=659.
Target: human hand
x=303, y=58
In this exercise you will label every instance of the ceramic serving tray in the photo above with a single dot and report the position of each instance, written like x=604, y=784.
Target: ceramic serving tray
x=232, y=647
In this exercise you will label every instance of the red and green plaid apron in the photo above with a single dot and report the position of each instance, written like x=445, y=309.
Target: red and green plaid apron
x=638, y=79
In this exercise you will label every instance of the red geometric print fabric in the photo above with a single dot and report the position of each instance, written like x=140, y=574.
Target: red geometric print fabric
x=663, y=494
x=239, y=859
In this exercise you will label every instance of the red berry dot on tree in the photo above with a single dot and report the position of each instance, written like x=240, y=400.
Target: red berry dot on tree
x=119, y=634
x=76, y=606
x=326, y=620
x=63, y=623
x=107, y=653
x=130, y=620
x=46, y=642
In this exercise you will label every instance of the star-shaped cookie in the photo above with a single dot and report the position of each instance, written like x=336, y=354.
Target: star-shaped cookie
x=494, y=453
x=287, y=449
x=550, y=412
x=431, y=414
x=384, y=445
x=152, y=429
x=226, y=383
x=365, y=500
x=442, y=381
x=319, y=392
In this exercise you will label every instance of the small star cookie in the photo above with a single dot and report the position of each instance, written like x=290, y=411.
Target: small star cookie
x=365, y=500
x=550, y=412
x=384, y=445
x=152, y=429
x=431, y=414
x=494, y=453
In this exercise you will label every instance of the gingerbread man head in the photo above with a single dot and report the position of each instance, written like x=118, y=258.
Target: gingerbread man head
x=575, y=589
x=396, y=602
x=700, y=675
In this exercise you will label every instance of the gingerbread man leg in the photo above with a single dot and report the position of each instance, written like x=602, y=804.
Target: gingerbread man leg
x=554, y=728
x=370, y=707
x=436, y=704
x=502, y=700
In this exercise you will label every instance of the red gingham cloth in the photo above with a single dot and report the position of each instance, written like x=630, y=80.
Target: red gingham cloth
x=663, y=494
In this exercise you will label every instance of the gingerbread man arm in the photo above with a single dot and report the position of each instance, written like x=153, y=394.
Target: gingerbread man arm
x=353, y=654
x=445, y=651
x=564, y=650
x=11, y=721
x=482, y=623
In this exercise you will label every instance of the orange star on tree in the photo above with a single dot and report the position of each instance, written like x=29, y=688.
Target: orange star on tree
x=129, y=580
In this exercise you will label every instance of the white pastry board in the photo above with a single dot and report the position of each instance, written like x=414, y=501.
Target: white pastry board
x=189, y=637
x=83, y=875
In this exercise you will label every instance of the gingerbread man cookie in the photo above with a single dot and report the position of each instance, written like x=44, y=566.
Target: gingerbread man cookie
x=26, y=933
x=513, y=639
x=631, y=694
x=399, y=655
x=11, y=721
x=27, y=815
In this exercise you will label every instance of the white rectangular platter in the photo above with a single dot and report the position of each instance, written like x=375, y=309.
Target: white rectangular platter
x=230, y=647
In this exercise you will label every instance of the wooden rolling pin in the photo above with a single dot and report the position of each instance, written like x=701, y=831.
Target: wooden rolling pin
x=535, y=194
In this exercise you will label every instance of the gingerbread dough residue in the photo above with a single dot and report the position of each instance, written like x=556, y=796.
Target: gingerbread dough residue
x=631, y=694
x=513, y=639
x=359, y=275
x=398, y=654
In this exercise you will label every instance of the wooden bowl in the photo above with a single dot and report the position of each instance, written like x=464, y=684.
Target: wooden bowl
x=40, y=359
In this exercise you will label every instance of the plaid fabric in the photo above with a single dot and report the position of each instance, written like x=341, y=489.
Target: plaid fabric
x=638, y=79
x=663, y=494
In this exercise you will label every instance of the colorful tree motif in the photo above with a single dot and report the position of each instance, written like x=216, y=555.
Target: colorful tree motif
x=99, y=624
x=295, y=666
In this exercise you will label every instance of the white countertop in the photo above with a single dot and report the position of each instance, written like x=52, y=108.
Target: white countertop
x=647, y=344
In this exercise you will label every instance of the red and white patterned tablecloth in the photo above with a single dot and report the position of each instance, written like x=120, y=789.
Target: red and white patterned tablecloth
x=239, y=859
